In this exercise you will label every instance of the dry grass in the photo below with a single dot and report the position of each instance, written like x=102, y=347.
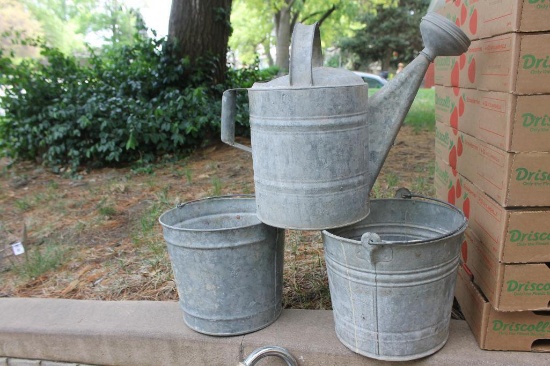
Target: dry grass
x=305, y=276
x=98, y=237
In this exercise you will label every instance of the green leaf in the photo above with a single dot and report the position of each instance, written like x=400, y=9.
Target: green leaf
x=132, y=142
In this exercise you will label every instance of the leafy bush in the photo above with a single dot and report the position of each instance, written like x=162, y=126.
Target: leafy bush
x=126, y=104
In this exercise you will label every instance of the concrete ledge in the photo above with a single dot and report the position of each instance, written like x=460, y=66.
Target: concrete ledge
x=153, y=333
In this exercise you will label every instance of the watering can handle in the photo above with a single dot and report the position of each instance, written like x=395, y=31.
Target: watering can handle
x=229, y=109
x=305, y=54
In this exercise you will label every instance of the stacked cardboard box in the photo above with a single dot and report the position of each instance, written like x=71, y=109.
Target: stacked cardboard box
x=493, y=161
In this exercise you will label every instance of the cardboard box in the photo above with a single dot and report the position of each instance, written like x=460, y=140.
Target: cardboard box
x=496, y=330
x=446, y=70
x=507, y=121
x=511, y=179
x=516, y=63
x=510, y=235
x=509, y=287
x=482, y=19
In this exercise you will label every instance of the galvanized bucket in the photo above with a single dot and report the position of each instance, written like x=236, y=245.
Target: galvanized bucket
x=392, y=277
x=228, y=265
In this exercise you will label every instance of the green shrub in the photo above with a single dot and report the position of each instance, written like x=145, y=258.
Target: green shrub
x=125, y=104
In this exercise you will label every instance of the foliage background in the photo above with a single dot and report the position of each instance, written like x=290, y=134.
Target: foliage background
x=390, y=35
x=131, y=100
x=128, y=103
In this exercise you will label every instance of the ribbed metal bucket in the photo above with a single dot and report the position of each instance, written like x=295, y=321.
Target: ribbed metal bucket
x=228, y=265
x=392, y=277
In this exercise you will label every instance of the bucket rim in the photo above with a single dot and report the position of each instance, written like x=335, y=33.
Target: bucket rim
x=419, y=198
x=244, y=197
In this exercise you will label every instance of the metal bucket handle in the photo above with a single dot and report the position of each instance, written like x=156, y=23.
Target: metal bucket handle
x=262, y=352
x=378, y=250
x=404, y=193
x=305, y=54
x=181, y=205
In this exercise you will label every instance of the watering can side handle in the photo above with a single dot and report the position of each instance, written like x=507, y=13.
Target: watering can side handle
x=229, y=110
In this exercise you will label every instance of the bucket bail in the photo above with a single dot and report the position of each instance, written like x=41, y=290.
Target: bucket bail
x=305, y=54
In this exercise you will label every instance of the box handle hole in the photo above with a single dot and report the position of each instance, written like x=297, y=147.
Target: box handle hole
x=541, y=345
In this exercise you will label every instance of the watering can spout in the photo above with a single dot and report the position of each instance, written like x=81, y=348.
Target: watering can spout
x=389, y=106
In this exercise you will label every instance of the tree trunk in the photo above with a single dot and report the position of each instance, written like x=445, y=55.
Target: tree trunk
x=283, y=32
x=267, y=49
x=201, y=29
x=386, y=61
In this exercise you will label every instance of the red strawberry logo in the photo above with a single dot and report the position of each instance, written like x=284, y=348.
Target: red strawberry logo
x=472, y=71
x=456, y=90
x=455, y=172
x=473, y=22
x=464, y=251
x=466, y=207
x=454, y=118
x=459, y=146
x=460, y=106
x=451, y=195
x=463, y=14
x=452, y=157
x=455, y=74
x=462, y=61
x=458, y=188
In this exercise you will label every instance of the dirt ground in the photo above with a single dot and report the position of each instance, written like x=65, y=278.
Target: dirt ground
x=97, y=237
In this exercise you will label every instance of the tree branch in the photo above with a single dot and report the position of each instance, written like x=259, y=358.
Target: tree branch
x=294, y=20
x=325, y=15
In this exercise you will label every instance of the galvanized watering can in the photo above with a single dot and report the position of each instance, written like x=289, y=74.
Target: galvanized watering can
x=318, y=143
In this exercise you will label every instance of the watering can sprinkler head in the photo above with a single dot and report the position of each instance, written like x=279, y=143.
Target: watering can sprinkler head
x=442, y=37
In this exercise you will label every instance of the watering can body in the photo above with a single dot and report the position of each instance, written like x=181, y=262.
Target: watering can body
x=317, y=142
x=309, y=155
